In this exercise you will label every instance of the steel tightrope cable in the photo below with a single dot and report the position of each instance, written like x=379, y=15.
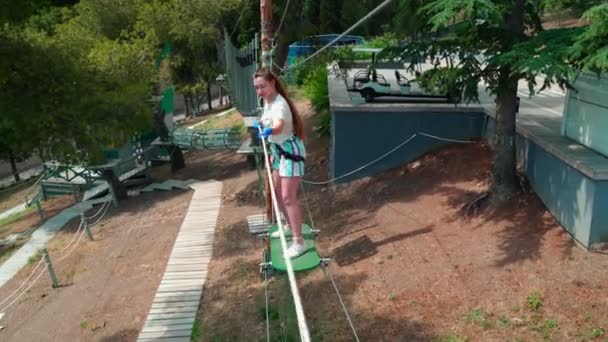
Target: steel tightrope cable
x=267, y=315
x=301, y=318
x=350, y=322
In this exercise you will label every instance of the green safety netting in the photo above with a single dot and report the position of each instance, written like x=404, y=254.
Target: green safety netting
x=211, y=139
x=240, y=66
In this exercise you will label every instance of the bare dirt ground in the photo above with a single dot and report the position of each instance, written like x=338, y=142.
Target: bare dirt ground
x=409, y=264
x=14, y=195
x=107, y=285
x=31, y=218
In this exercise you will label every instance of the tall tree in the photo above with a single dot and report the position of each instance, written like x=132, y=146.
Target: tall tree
x=501, y=43
x=68, y=88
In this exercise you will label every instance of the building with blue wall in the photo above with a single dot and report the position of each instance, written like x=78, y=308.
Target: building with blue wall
x=311, y=44
x=568, y=176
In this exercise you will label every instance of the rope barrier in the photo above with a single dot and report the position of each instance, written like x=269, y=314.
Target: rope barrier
x=95, y=215
x=24, y=291
x=446, y=139
x=386, y=155
x=302, y=325
x=364, y=166
x=77, y=236
x=82, y=233
x=107, y=205
x=73, y=238
x=23, y=283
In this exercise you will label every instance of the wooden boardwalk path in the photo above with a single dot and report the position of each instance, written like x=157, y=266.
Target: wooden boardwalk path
x=173, y=310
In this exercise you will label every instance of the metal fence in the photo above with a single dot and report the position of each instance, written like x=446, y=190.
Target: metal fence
x=240, y=66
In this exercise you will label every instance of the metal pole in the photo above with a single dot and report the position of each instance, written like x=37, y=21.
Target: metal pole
x=49, y=267
x=267, y=32
x=85, y=224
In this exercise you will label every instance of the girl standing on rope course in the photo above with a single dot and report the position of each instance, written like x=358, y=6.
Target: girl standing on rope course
x=283, y=128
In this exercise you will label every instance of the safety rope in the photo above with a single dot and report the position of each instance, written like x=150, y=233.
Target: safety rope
x=312, y=222
x=361, y=21
x=364, y=166
x=302, y=325
x=282, y=18
x=386, y=155
x=238, y=20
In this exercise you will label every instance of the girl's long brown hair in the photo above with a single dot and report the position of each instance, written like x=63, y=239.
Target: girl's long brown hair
x=268, y=75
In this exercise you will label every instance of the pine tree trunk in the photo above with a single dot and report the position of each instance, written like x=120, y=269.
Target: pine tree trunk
x=209, y=95
x=187, y=104
x=13, y=161
x=504, y=182
x=284, y=36
x=282, y=51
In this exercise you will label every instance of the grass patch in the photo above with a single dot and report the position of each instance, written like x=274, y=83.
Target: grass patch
x=534, y=301
x=551, y=323
x=196, y=330
x=232, y=121
x=503, y=321
x=35, y=258
x=15, y=217
x=6, y=252
x=480, y=317
x=84, y=324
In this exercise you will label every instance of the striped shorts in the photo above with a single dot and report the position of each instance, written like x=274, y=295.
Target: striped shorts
x=288, y=167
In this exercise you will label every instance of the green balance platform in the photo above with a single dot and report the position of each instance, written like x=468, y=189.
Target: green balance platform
x=309, y=260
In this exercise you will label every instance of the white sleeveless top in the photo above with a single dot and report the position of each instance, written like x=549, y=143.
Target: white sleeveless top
x=273, y=111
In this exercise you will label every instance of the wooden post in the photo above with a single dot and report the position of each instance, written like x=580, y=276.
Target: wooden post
x=40, y=212
x=85, y=224
x=267, y=32
x=49, y=267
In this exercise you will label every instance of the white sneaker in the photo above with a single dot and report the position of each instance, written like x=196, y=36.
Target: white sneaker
x=295, y=250
x=276, y=235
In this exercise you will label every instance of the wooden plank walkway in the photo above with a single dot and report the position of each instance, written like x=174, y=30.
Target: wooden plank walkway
x=173, y=310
